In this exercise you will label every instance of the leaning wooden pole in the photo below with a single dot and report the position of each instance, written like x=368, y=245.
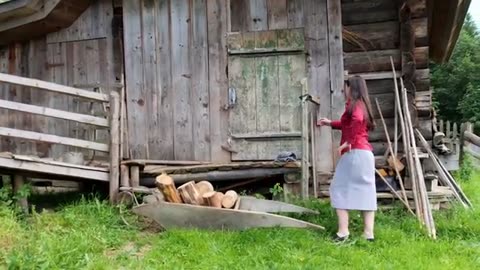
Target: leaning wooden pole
x=404, y=137
x=397, y=172
x=114, y=146
x=427, y=211
x=305, y=143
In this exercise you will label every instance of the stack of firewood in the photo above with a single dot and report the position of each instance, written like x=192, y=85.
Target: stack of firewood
x=199, y=193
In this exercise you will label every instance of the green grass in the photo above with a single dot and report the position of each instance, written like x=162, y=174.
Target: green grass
x=89, y=234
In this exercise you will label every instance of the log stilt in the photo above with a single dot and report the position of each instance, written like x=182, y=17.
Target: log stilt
x=213, y=199
x=18, y=182
x=229, y=199
x=166, y=185
x=124, y=176
x=135, y=176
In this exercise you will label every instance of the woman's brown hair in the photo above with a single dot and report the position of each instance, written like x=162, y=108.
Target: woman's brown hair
x=359, y=91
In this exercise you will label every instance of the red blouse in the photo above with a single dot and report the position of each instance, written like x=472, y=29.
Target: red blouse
x=354, y=128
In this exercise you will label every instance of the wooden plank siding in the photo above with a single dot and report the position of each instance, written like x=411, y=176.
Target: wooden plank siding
x=175, y=71
x=177, y=97
x=78, y=55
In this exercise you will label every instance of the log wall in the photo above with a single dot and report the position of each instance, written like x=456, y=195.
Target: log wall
x=373, y=35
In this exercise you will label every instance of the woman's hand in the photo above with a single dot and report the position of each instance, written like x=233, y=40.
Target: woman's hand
x=345, y=145
x=324, y=122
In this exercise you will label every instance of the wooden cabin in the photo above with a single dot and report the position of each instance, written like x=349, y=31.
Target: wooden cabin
x=217, y=80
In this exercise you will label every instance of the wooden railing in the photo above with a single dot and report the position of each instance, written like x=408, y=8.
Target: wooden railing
x=112, y=123
x=471, y=144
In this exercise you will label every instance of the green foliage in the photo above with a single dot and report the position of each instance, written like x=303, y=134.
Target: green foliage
x=456, y=84
x=276, y=190
x=90, y=234
x=466, y=169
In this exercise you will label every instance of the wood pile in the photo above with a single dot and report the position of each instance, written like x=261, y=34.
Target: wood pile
x=196, y=193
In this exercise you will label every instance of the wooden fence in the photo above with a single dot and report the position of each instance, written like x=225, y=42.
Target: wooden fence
x=34, y=166
x=458, y=139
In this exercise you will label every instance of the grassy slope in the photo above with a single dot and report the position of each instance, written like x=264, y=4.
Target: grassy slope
x=91, y=235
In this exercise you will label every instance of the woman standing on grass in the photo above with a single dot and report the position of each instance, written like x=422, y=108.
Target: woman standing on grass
x=353, y=185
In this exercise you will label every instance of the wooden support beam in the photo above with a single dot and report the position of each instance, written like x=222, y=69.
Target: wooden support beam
x=407, y=45
x=335, y=56
x=18, y=183
x=114, y=146
x=134, y=176
x=40, y=137
x=469, y=136
x=124, y=176
x=59, y=114
x=305, y=143
x=52, y=87
x=50, y=169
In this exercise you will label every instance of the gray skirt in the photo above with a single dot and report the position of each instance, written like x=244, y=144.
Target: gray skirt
x=353, y=185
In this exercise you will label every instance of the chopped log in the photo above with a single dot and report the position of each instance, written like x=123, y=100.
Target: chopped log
x=189, y=193
x=166, y=185
x=237, y=203
x=213, y=199
x=229, y=199
x=204, y=187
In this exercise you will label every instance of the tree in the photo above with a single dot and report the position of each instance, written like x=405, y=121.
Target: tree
x=456, y=83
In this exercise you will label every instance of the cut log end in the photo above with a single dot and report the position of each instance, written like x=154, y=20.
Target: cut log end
x=204, y=187
x=229, y=199
x=166, y=185
x=213, y=199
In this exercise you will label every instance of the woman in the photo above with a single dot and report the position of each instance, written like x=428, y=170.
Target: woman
x=353, y=185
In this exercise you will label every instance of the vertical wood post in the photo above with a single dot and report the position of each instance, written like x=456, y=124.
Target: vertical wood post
x=124, y=176
x=114, y=146
x=407, y=45
x=463, y=127
x=134, y=176
x=335, y=54
x=305, y=142
x=18, y=182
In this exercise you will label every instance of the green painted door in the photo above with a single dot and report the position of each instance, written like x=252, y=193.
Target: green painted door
x=265, y=109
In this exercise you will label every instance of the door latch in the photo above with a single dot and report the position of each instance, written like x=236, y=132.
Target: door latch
x=232, y=97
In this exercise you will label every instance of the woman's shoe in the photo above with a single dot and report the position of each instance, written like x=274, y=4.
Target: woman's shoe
x=339, y=239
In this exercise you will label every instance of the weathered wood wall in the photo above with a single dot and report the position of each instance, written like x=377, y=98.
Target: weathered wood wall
x=80, y=56
x=175, y=66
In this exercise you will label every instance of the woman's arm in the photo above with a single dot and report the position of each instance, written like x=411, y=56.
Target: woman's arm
x=336, y=124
